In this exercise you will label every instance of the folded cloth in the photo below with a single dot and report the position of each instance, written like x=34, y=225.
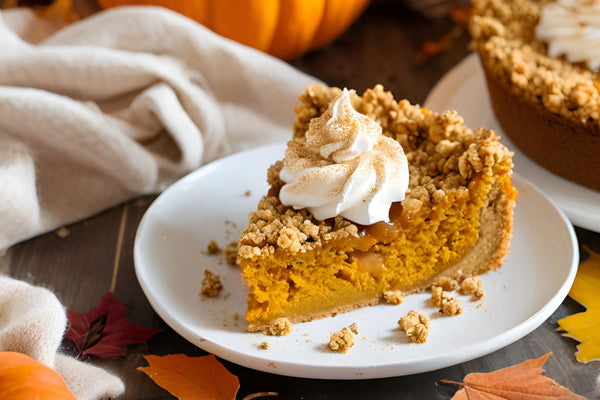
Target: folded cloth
x=33, y=322
x=117, y=105
x=121, y=104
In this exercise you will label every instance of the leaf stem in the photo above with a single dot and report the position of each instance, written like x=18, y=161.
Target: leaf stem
x=445, y=382
x=260, y=394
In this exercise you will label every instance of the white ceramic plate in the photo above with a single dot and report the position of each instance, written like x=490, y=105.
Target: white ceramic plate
x=464, y=89
x=212, y=203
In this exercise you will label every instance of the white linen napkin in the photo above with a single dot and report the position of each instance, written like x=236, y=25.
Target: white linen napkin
x=121, y=104
x=117, y=105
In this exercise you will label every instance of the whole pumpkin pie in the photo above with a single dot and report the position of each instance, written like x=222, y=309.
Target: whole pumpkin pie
x=541, y=60
x=373, y=196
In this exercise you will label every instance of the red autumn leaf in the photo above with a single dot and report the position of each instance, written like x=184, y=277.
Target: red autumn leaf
x=104, y=330
x=192, y=378
x=519, y=382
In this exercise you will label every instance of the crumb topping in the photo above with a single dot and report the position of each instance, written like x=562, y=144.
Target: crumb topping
x=264, y=346
x=212, y=248
x=353, y=328
x=448, y=304
x=231, y=252
x=416, y=326
x=393, y=296
x=279, y=327
x=63, y=232
x=211, y=284
x=503, y=33
x=474, y=287
x=446, y=283
x=444, y=156
x=341, y=341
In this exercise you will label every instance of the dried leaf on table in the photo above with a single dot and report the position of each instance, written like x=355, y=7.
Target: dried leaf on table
x=104, y=330
x=520, y=382
x=430, y=48
x=585, y=326
x=460, y=16
x=192, y=378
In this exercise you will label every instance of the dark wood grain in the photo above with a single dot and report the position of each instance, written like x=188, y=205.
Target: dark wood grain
x=380, y=48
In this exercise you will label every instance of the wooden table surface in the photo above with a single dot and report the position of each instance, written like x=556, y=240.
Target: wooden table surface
x=97, y=254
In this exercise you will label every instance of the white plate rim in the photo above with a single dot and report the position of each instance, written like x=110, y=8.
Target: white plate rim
x=570, y=199
x=342, y=371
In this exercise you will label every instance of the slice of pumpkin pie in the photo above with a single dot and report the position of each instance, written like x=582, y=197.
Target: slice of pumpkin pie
x=373, y=196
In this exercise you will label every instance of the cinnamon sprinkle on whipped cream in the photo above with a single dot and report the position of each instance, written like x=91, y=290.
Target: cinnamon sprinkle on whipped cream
x=344, y=166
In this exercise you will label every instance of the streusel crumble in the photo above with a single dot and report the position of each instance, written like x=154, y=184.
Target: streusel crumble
x=341, y=341
x=448, y=304
x=416, y=326
x=455, y=219
x=473, y=286
x=211, y=284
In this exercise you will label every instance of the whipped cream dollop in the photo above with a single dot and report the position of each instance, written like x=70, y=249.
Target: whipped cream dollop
x=345, y=166
x=572, y=28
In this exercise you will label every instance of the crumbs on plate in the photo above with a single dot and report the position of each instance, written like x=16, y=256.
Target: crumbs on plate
x=353, y=328
x=342, y=340
x=474, y=287
x=279, y=327
x=211, y=284
x=448, y=304
x=231, y=253
x=416, y=326
x=213, y=248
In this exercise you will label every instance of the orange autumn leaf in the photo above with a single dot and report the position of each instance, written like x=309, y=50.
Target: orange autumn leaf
x=192, y=378
x=460, y=16
x=519, y=382
x=585, y=326
x=431, y=48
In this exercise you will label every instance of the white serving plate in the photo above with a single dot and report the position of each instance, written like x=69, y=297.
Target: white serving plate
x=212, y=204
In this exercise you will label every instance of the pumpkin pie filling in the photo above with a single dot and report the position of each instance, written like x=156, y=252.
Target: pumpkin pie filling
x=455, y=221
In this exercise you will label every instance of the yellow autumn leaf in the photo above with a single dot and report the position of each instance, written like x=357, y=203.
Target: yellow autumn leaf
x=585, y=326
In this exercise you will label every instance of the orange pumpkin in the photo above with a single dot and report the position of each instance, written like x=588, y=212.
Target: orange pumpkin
x=21, y=377
x=283, y=28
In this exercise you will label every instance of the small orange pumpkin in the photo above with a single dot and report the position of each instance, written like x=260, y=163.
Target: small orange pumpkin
x=21, y=377
x=283, y=28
